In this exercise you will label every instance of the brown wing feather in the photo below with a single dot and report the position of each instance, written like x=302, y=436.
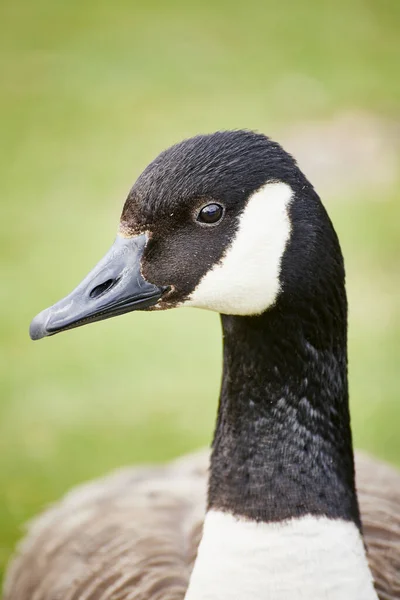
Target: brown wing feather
x=378, y=487
x=134, y=534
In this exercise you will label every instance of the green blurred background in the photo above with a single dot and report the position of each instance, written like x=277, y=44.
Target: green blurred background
x=91, y=91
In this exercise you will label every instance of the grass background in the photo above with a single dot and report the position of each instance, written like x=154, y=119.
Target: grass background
x=90, y=92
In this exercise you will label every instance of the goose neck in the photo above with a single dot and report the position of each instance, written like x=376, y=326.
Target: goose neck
x=282, y=446
x=283, y=518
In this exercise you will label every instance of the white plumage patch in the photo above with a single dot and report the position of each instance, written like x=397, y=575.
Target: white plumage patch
x=246, y=280
x=309, y=558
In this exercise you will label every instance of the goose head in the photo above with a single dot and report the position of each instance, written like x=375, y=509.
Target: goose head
x=225, y=222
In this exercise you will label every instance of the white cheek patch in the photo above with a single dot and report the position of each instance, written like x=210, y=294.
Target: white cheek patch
x=246, y=280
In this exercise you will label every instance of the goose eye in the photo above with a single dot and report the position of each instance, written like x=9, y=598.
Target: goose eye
x=210, y=214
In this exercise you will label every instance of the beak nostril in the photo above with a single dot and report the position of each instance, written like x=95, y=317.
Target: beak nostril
x=103, y=287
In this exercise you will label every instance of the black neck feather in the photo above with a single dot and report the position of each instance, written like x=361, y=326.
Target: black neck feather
x=282, y=446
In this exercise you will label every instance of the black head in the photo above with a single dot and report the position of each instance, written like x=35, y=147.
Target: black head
x=225, y=221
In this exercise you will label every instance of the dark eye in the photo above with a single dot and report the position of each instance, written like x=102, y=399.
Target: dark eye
x=210, y=214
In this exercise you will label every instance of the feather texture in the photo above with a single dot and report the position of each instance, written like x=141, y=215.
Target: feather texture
x=133, y=535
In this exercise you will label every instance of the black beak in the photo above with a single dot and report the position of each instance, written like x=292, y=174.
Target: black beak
x=114, y=287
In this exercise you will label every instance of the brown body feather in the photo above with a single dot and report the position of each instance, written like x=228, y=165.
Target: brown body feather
x=133, y=535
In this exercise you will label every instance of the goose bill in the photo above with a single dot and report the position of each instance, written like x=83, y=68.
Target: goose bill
x=115, y=286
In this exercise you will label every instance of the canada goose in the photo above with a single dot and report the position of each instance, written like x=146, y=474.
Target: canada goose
x=229, y=223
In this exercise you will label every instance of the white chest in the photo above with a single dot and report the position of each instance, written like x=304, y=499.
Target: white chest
x=311, y=558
